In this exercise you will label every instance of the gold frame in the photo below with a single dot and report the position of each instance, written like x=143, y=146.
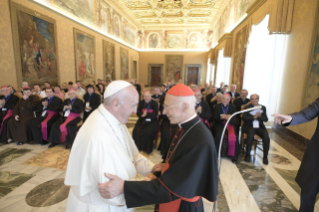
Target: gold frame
x=75, y=31
x=174, y=33
x=15, y=36
x=106, y=43
x=311, y=51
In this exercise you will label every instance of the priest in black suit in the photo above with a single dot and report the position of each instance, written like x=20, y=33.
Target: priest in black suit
x=7, y=102
x=156, y=96
x=254, y=124
x=308, y=174
x=222, y=113
x=65, y=128
x=146, y=127
x=91, y=101
x=190, y=172
x=233, y=93
x=202, y=108
x=239, y=102
x=40, y=127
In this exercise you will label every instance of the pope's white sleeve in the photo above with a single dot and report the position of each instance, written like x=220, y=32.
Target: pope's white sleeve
x=143, y=165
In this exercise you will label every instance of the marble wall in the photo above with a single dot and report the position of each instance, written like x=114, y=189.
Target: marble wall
x=65, y=43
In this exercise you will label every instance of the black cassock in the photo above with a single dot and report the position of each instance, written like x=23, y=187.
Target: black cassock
x=72, y=128
x=192, y=172
x=11, y=101
x=146, y=127
x=25, y=109
x=35, y=128
x=238, y=103
x=218, y=127
x=206, y=114
x=167, y=130
x=94, y=101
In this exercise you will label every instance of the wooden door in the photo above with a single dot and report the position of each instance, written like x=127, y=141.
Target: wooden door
x=192, y=75
x=156, y=73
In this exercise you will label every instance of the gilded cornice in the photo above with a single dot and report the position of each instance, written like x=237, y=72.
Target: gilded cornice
x=254, y=7
x=225, y=37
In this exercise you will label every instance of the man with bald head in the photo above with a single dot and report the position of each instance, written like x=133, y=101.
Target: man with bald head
x=78, y=93
x=233, y=93
x=65, y=128
x=190, y=171
x=104, y=144
x=146, y=127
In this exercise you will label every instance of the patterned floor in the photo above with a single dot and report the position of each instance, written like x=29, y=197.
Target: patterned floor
x=31, y=179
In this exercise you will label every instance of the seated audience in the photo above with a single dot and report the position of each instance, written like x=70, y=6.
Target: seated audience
x=24, y=84
x=79, y=83
x=101, y=89
x=46, y=85
x=146, y=127
x=202, y=108
x=233, y=93
x=225, y=90
x=215, y=100
x=40, y=127
x=254, y=124
x=22, y=116
x=65, y=87
x=222, y=113
x=12, y=90
x=37, y=91
x=58, y=92
x=7, y=103
x=65, y=128
x=221, y=88
x=70, y=84
x=91, y=101
x=162, y=90
x=239, y=102
x=78, y=93
x=138, y=88
x=156, y=96
x=211, y=94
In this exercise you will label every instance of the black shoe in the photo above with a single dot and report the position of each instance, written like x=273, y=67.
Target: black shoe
x=44, y=143
x=68, y=146
x=52, y=145
x=265, y=161
x=247, y=158
x=234, y=160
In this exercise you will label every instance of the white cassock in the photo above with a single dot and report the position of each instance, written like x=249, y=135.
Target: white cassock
x=102, y=145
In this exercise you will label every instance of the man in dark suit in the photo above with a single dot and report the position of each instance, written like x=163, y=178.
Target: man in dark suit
x=212, y=93
x=202, y=108
x=308, y=174
x=254, y=124
x=138, y=88
x=221, y=89
x=233, y=93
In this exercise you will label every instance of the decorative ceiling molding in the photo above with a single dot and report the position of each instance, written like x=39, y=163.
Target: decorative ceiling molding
x=254, y=7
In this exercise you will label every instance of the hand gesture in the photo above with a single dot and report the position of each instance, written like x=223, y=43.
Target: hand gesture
x=16, y=118
x=144, y=113
x=150, y=177
x=223, y=116
x=284, y=118
x=158, y=167
x=227, y=117
x=112, y=188
x=199, y=109
x=213, y=99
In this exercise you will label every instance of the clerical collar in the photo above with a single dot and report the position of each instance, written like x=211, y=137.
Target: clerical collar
x=110, y=116
x=189, y=122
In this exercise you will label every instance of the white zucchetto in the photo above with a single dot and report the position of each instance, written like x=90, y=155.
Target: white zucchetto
x=115, y=87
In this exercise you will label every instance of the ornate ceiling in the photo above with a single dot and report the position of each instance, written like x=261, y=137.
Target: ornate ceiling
x=182, y=14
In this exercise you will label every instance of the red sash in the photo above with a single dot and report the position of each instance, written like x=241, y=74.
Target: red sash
x=8, y=115
x=173, y=206
x=205, y=122
x=44, y=124
x=63, y=129
x=149, y=111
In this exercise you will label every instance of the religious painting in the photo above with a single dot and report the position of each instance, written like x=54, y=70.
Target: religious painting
x=128, y=34
x=153, y=41
x=35, y=46
x=83, y=9
x=194, y=40
x=174, y=40
x=174, y=65
x=84, y=56
x=103, y=17
x=239, y=59
x=311, y=87
x=124, y=63
x=116, y=26
x=108, y=60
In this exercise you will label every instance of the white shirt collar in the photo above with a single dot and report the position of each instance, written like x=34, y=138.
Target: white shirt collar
x=110, y=116
x=192, y=117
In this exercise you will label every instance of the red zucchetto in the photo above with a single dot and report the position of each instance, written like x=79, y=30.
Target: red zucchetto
x=181, y=90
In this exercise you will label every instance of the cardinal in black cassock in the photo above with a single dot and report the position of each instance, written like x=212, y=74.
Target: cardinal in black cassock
x=65, y=128
x=147, y=125
x=22, y=115
x=191, y=171
x=9, y=101
x=222, y=112
x=40, y=127
x=91, y=100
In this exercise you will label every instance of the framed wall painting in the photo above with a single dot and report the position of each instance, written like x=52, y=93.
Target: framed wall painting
x=174, y=66
x=124, y=63
x=108, y=60
x=35, y=46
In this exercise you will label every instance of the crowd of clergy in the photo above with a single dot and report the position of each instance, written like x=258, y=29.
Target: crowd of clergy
x=52, y=114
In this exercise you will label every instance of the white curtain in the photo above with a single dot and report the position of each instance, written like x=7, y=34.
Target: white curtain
x=223, y=68
x=209, y=67
x=212, y=75
x=264, y=66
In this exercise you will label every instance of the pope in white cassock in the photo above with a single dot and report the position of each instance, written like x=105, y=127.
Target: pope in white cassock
x=102, y=145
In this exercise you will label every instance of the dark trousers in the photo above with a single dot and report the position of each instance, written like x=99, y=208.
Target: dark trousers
x=262, y=132
x=307, y=201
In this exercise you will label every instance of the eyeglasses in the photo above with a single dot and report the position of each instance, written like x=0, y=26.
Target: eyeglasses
x=171, y=106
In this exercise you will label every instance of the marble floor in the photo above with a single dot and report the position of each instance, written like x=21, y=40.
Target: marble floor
x=32, y=176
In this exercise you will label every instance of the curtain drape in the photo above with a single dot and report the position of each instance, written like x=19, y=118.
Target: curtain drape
x=223, y=68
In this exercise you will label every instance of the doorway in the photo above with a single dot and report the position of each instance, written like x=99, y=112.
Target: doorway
x=193, y=74
x=155, y=73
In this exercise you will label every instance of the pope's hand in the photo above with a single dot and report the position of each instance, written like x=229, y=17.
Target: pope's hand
x=158, y=167
x=112, y=188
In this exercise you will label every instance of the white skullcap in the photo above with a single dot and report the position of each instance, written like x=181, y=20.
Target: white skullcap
x=115, y=87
